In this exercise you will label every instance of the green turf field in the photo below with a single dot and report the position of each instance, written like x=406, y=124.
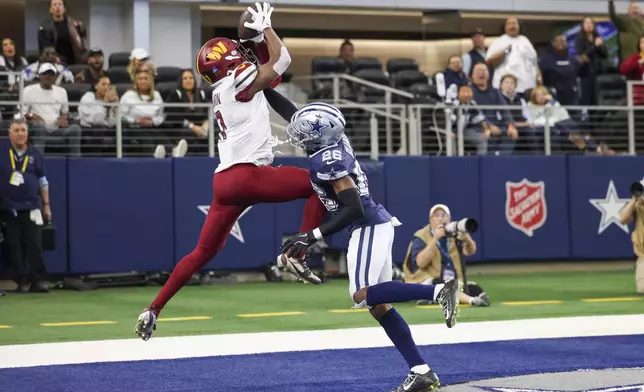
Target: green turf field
x=222, y=308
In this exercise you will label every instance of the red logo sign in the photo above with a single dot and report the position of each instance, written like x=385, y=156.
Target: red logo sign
x=525, y=205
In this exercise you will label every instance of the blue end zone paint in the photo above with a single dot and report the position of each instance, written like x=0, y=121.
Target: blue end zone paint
x=331, y=370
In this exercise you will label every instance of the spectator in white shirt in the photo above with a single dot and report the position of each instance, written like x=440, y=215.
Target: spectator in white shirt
x=142, y=111
x=93, y=110
x=48, y=55
x=46, y=108
x=513, y=53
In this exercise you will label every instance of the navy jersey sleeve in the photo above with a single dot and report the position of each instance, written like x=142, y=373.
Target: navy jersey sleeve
x=331, y=164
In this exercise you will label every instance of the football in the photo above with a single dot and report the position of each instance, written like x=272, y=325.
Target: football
x=243, y=31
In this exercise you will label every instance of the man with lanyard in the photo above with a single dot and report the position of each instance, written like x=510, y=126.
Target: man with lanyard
x=434, y=257
x=25, y=198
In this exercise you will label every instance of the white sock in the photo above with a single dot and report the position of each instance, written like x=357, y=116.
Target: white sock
x=437, y=289
x=471, y=300
x=420, y=369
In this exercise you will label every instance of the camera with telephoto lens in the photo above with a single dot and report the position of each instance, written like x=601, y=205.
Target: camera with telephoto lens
x=637, y=189
x=465, y=225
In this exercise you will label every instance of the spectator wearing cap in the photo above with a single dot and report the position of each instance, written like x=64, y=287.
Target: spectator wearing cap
x=9, y=61
x=433, y=257
x=560, y=70
x=24, y=191
x=347, y=54
x=140, y=60
x=48, y=56
x=66, y=34
x=191, y=121
x=513, y=53
x=95, y=72
x=476, y=55
x=46, y=107
x=631, y=27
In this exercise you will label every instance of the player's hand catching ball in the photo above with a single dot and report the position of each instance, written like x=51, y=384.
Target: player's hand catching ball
x=296, y=246
x=261, y=17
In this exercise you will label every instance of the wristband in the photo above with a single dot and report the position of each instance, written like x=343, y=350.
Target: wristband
x=317, y=234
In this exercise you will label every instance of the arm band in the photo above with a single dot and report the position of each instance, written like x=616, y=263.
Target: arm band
x=282, y=105
x=350, y=211
x=282, y=63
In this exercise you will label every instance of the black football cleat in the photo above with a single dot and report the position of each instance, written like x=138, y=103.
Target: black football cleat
x=419, y=383
x=298, y=268
x=449, y=301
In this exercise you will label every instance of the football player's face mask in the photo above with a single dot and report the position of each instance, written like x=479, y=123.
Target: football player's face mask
x=314, y=126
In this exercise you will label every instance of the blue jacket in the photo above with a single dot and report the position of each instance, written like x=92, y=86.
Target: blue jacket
x=26, y=196
x=561, y=72
x=500, y=117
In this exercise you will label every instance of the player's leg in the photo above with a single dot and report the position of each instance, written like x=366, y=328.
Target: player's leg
x=369, y=263
x=387, y=292
x=269, y=184
x=215, y=230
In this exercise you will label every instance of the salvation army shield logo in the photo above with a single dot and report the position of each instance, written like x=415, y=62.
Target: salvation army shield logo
x=525, y=205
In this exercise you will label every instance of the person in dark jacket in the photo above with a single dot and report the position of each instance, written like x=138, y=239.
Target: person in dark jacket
x=500, y=122
x=591, y=51
x=25, y=202
x=65, y=33
x=476, y=55
x=454, y=75
x=531, y=138
x=95, y=72
x=191, y=122
x=560, y=70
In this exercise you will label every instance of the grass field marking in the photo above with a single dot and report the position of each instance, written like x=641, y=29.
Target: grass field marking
x=191, y=318
x=428, y=306
x=620, y=299
x=5, y=326
x=523, y=303
x=77, y=323
x=358, y=310
x=275, y=314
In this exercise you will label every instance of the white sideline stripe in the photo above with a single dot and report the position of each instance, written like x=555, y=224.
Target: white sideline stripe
x=269, y=342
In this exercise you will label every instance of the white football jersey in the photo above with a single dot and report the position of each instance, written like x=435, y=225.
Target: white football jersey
x=244, y=123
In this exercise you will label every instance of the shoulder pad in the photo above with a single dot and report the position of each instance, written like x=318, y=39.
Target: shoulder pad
x=245, y=75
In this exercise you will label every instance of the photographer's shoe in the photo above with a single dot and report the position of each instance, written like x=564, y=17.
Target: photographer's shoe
x=419, y=383
x=482, y=300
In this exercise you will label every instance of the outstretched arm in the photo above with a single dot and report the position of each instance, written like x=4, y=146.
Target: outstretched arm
x=282, y=105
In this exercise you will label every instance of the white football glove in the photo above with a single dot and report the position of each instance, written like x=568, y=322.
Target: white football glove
x=261, y=17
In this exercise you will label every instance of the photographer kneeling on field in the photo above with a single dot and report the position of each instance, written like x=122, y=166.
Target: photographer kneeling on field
x=434, y=255
x=634, y=210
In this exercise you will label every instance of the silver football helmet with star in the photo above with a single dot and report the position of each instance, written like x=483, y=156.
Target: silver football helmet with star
x=315, y=126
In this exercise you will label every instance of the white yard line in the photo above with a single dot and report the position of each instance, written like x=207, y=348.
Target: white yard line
x=269, y=342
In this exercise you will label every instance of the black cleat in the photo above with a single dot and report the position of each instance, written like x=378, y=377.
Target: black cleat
x=448, y=300
x=419, y=383
x=298, y=268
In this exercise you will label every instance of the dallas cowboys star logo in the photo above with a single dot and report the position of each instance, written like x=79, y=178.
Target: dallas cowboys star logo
x=610, y=206
x=236, y=231
x=317, y=126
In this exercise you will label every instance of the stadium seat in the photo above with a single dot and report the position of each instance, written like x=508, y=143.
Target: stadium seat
x=327, y=64
x=406, y=78
x=119, y=75
x=423, y=93
x=75, y=92
x=165, y=88
x=77, y=68
x=611, y=88
x=122, y=88
x=362, y=63
x=368, y=94
x=119, y=59
x=32, y=56
x=168, y=74
x=401, y=64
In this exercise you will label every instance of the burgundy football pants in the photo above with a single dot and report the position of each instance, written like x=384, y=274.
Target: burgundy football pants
x=234, y=190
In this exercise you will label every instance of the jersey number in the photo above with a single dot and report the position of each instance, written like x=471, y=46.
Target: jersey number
x=222, y=125
x=330, y=156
